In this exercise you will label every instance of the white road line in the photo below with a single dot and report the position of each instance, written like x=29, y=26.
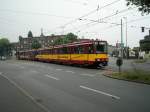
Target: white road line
x=70, y=71
x=51, y=77
x=90, y=75
x=101, y=92
x=58, y=69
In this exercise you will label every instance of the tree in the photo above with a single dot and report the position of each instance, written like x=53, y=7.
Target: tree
x=70, y=37
x=20, y=37
x=5, y=47
x=143, y=5
x=145, y=44
x=35, y=44
x=52, y=35
x=30, y=34
x=58, y=41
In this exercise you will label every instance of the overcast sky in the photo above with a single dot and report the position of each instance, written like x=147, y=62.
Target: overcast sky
x=17, y=17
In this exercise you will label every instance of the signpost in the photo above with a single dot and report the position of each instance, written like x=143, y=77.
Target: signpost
x=119, y=63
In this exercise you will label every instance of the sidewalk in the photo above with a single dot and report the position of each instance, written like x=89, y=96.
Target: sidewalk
x=13, y=100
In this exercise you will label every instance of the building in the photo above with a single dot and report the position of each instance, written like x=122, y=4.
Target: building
x=45, y=41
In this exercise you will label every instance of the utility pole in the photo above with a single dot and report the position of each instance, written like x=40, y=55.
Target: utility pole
x=121, y=40
x=119, y=60
x=126, y=37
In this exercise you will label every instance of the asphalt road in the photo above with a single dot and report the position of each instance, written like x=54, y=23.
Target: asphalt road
x=60, y=88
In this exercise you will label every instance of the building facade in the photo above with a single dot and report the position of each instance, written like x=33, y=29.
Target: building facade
x=45, y=41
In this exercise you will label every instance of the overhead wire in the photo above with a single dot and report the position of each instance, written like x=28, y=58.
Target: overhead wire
x=91, y=12
x=131, y=21
x=95, y=22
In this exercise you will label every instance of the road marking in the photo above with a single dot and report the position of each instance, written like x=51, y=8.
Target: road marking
x=58, y=69
x=90, y=75
x=51, y=77
x=101, y=92
x=0, y=73
x=26, y=94
x=70, y=71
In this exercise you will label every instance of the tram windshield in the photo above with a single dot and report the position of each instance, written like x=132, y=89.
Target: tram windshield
x=101, y=47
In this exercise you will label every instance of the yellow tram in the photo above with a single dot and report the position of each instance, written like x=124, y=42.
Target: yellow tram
x=87, y=53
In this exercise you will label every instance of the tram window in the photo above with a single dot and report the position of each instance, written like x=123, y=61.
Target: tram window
x=60, y=51
x=100, y=47
x=65, y=51
x=76, y=51
x=56, y=51
x=50, y=51
x=40, y=52
x=72, y=50
x=45, y=51
x=68, y=50
x=81, y=49
x=53, y=51
x=90, y=49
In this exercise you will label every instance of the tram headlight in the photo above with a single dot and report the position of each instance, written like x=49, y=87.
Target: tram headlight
x=98, y=59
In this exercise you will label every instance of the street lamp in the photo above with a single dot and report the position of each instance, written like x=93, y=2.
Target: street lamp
x=126, y=36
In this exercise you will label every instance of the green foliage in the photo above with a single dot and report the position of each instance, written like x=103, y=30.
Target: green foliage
x=5, y=47
x=4, y=42
x=143, y=5
x=58, y=41
x=70, y=37
x=35, y=44
x=52, y=34
x=30, y=34
x=140, y=61
x=145, y=44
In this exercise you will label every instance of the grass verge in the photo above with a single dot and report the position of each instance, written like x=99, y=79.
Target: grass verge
x=140, y=61
x=135, y=76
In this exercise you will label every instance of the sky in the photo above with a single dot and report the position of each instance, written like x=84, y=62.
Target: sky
x=93, y=19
